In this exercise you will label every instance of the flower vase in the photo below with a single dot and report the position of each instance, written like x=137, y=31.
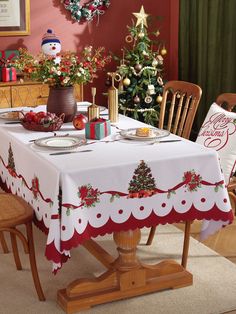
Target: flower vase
x=62, y=100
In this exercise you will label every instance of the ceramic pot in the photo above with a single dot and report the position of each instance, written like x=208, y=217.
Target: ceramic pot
x=62, y=100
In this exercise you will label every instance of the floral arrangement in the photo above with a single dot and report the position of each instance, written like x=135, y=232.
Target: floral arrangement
x=69, y=71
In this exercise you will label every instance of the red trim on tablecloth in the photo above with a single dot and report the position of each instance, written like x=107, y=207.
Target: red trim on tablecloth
x=131, y=224
x=41, y=225
x=153, y=220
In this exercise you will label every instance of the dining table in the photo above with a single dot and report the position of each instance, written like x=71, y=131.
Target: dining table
x=116, y=185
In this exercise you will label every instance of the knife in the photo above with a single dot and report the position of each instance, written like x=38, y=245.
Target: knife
x=165, y=141
x=65, y=153
x=13, y=122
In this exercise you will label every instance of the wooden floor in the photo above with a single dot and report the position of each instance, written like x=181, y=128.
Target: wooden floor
x=223, y=242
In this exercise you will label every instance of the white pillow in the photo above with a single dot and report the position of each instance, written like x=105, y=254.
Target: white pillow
x=219, y=132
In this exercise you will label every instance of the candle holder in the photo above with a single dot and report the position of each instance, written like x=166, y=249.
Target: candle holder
x=113, y=99
x=93, y=110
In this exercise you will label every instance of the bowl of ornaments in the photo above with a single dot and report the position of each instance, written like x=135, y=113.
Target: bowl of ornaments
x=42, y=121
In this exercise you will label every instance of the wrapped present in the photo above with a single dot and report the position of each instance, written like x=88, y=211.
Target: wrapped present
x=6, y=56
x=97, y=129
x=8, y=74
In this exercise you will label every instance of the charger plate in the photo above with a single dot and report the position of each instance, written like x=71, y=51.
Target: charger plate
x=12, y=115
x=60, y=142
x=131, y=134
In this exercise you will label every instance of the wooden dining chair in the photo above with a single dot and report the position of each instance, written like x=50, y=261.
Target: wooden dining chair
x=14, y=212
x=178, y=109
x=228, y=102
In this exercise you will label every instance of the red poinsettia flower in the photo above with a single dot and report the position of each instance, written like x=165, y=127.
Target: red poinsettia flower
x=88, y=195
x=188, y=176
x=83, y=191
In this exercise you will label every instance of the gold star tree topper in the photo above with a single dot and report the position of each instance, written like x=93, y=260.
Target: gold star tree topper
x=141, y=17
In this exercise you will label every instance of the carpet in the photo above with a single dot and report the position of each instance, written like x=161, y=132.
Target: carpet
x=213, y=290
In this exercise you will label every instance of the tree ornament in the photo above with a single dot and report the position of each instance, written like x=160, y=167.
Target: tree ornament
x=129, y=39
x=159, y=99
x=141, y=17
x=86, y=11
x=138, y=67
x=148, y=99
x=136, y=99
x=160, y=81
x=141, y=35
x=145, y=53
x=126, y=81
x=160, y=59
x=154, y=62
x=151, y=89
x=163, y=51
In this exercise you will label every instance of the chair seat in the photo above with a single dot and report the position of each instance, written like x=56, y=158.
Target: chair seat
x=14, y=211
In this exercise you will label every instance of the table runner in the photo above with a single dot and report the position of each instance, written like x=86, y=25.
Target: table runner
x=120, y=185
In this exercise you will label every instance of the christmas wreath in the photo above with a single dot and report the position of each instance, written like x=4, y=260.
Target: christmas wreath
x=87, y=11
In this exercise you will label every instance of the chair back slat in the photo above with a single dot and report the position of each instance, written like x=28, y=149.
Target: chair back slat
x=178, y=115
x=179, y=106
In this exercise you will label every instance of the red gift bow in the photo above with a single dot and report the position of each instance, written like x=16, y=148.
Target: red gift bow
x=3, y=60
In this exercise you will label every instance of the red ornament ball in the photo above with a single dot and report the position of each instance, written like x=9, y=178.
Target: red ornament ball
x=79, y=121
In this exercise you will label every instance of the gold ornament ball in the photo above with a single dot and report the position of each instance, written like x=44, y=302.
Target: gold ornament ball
x=163, y=51
x=159, y=99
x=126, y=81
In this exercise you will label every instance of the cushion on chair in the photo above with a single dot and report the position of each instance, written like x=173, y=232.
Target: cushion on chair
x=219, y=132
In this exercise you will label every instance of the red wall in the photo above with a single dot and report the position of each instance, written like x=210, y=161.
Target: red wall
x=109, y=31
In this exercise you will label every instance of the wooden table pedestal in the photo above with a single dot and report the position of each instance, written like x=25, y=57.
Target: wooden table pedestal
x=126, y=276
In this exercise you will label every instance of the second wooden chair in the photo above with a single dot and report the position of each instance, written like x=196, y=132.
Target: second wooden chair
x=178, y=109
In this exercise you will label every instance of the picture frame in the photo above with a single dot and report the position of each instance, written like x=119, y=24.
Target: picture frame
x=14, y=17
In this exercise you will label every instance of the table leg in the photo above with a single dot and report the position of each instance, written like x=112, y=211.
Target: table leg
x=126, y=277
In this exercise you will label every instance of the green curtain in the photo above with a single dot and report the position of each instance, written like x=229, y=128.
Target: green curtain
x=207, y=49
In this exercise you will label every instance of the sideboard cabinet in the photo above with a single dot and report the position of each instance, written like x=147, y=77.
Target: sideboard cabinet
x=28, y=94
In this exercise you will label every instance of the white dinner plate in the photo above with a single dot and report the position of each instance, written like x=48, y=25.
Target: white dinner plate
x=60, y=142
x=83, y=107
x=11, y=115
x=131, y=134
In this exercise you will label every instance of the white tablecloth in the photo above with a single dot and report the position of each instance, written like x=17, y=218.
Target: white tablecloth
x=120, y=185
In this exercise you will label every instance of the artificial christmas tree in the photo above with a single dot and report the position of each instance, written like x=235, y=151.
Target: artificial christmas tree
x=140, y=73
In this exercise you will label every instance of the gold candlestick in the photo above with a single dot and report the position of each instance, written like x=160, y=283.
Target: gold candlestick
x=113, y=99
x=93, y=110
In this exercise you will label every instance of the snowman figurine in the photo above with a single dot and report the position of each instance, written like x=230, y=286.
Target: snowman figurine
x=51, y=45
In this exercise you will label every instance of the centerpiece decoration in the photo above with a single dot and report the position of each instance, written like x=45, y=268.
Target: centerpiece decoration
x=63, y=75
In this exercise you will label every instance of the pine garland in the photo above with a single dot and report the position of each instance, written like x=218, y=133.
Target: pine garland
x=87, y=11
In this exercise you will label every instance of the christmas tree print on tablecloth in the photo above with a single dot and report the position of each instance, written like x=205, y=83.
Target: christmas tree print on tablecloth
x=142, y=183
x=11, y=163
